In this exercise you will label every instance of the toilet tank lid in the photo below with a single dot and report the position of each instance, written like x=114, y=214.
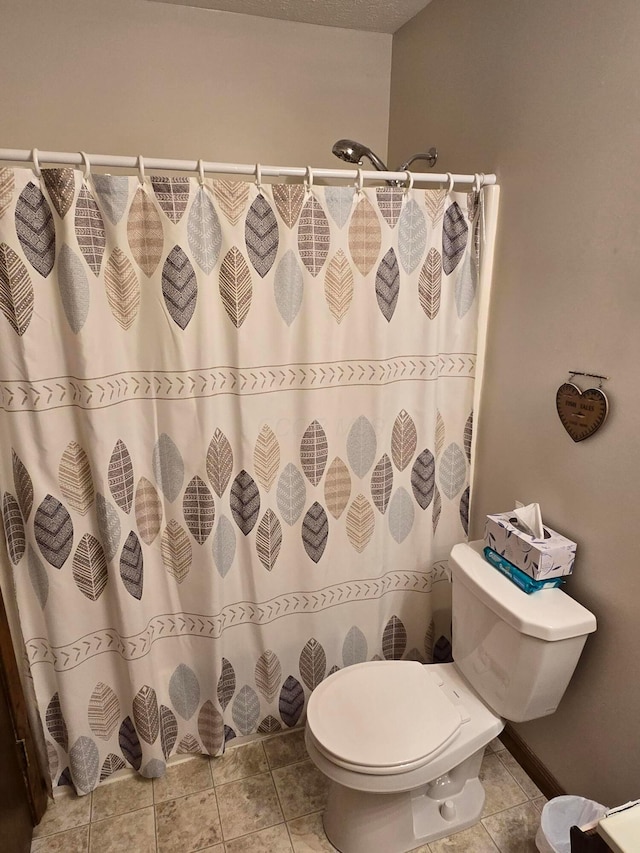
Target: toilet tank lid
x=549, y=614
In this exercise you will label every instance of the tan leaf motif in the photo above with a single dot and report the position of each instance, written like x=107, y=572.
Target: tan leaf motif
x=268, y=674
x=266, y=457
x=269, y=539
x=365, y=236
x=144, y=232
x=61, y=186
x=314, y=236
x=390, y=203
x=7, y=187
x=104, y=711
x=436, y=509
x=16, y=290
x=219, y=462
x=122, y=287
x=148, y=510
x=145, y=714
x=360, y=523
x=338, y=285
x=313, y=452
x=430, y=283
x=288, y=199
x=90, y=567
x=76, y=482
x=434, y=200
x=236, y=289
x=337, y=487
x=232, y=196
x=23, y=484
x=211, y=727
x=403, y=440
x=176, y=550
x=439, y=434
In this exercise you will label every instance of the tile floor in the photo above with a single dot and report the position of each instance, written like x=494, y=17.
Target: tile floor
x=261, y=797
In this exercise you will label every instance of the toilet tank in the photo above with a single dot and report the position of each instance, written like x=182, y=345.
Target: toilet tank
x=517, y=651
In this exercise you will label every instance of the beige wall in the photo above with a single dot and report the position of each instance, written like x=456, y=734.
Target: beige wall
x=546, y=94
x=131, y=76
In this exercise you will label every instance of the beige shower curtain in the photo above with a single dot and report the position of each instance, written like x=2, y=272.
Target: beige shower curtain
x=235, y=446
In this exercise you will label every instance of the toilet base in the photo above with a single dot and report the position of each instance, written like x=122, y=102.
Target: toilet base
x=364, y=822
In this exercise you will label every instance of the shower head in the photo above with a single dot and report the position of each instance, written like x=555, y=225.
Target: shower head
x=353, y=152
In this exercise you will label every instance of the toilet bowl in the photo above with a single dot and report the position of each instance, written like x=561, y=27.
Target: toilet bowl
x=402, y=742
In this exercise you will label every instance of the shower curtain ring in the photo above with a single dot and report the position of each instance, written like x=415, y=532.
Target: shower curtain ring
x=308, y=181
x=141, y=169
x=409, y=181
x=87, y=165
x=36, y=162
x=478, y=181
x=201, y=172
x=259, y=177
x=360, y=181
x=451, y=181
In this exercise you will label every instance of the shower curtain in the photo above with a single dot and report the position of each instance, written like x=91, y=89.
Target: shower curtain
x=235, y=446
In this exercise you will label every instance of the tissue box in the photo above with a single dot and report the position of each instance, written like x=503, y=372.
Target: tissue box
x=551, y=557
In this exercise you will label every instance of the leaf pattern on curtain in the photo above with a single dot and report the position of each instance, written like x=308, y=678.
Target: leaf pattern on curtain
x=236, y=460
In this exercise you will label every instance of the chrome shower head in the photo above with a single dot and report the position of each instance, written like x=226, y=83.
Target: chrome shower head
x=353, y=152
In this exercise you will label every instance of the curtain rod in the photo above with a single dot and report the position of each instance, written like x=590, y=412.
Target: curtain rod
x=23, y=155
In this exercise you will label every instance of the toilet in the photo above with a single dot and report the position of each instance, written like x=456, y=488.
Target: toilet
x=402, y=742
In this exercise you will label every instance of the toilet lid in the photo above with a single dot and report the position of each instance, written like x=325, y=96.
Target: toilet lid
x=382, y=714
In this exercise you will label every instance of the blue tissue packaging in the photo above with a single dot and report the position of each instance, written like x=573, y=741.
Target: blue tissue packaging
x=541, y=559
x=517, y=577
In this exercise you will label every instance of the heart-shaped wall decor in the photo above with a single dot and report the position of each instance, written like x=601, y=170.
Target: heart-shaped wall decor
x=582, y=412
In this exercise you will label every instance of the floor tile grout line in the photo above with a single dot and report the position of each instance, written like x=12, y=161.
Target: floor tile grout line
x=215, y=794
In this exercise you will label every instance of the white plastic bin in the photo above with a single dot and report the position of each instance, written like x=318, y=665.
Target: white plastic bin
x=558, y=816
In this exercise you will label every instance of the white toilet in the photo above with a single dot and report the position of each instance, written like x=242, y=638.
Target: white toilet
x=402, y=743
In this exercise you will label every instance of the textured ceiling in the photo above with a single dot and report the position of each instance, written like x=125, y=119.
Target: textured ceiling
x=381, y=16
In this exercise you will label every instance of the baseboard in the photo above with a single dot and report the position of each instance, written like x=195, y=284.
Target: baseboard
x=531, y=764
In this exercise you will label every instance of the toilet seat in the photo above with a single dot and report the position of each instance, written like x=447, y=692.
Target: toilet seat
x=383, y=717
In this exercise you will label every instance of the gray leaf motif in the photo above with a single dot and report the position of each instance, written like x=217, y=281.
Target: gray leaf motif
x=388, y=284
x=210, y=727
x=390, y=203
x=89, y=229
x=245, y=502
x=268, y=674
x=269, y=539
x=154, y=769
x=55, y=722
x=13, y=528
x=90, y=567
x=291, y=702
x=269, y=725
x=168, y=467
x=412, y=236
x=179, y=287
x=110, y=765
x=198, y=509
x=436, y=510
x=113, y=195
x=35, y=229
x=74, y=288
x=172, y=195
x=314, y=452
x=452, y=471
x=261, y=235
x=38, y=577
x=204, y=232
x=130, y=743
x=145, y=713
x=354, y=648
x=466, y=284
x=132, y=566
x=224, y=546
x=468, y=437
x=226, y=684
x=246, y=710
x=168, y=730
x=315, y=531
x=184, y=691
x=291, y=494
x=464, y=511
x=16, y=290
x=361, y=446
x=53, y=530
x=423, y=478
x=382, y=483
x=120, y=476
x=454, y=237
x=339, y=203
x=401, y=515
x=288, y=287
x=394, y=639
x=312, y=663
x=108, y=525
x=84, y=763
